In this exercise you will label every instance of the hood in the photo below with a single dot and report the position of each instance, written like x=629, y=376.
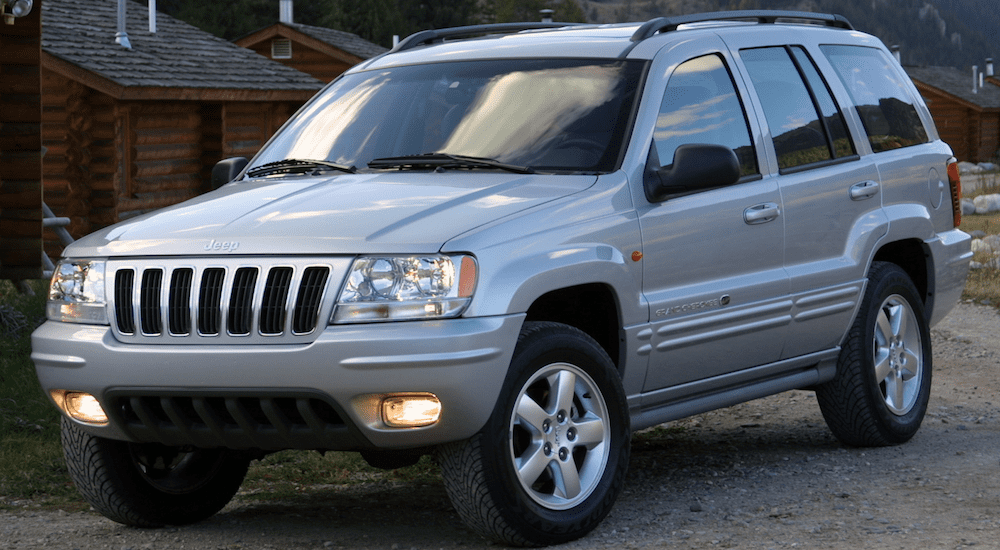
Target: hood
x=382, y=213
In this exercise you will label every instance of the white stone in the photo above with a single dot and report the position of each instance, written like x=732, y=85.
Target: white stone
x=968, y=207
x=987, y=203
x=987, y=245
x=969, y=168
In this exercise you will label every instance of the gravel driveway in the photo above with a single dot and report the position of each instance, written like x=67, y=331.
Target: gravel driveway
x=765, y=474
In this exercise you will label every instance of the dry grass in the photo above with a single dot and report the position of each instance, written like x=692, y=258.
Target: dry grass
x=983, y=285
x=31, y=463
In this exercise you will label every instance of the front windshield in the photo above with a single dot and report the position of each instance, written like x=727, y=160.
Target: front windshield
x=549, y=115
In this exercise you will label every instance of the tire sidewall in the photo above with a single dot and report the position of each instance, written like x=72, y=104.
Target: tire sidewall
x=557, y=344
x=107, y=476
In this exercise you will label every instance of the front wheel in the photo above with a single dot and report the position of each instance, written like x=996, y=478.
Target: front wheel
x=552, y=459
x=880, y=393
x=150, y=485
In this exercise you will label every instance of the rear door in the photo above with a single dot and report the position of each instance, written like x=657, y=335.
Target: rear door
x=831, y=194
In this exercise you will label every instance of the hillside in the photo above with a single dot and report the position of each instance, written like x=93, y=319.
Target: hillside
x=957, y=33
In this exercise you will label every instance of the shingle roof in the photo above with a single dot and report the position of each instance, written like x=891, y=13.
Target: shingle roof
x=957, y=83
x=178, y=55
x=350, y=43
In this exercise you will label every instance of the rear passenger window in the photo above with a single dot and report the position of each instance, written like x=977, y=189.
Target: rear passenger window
x=700, y=105
x=806, y=125
x=880, y=97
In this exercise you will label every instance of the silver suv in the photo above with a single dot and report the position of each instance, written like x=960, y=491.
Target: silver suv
x=511, y=246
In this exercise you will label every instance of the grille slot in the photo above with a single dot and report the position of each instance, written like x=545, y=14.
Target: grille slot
x=310, y=294
x=272, y=307
x=210, y=301
x=203, y=304
x=124, y=281
x=149, y=301
x=241, y=301
x=180, y=301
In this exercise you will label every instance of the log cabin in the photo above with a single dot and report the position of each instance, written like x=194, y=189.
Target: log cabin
x=968, y=119
x=135, y=123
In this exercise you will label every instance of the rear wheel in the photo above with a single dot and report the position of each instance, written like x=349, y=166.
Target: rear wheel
x=551, y=461
x=880, y=393
x=150, y=485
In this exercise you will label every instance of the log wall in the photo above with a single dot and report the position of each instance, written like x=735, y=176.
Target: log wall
x=989, y=137
x=312, y=62
x=110, y=160
x=247, y=126
x=21, y=148
x=974, y=135
x=954, y=123
x=166, y=150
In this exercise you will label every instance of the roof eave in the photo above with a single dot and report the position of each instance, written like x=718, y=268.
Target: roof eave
x=164, y=93
x=957, y=99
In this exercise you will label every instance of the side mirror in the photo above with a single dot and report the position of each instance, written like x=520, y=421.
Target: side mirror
x=696, y=167
x=227, y=170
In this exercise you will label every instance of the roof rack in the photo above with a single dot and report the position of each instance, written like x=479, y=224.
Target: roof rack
x=440, y=35
x=666, y=24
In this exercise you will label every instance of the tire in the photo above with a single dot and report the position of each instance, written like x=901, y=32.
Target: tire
x=880, y=393
x=548, y=465
x=151, y=485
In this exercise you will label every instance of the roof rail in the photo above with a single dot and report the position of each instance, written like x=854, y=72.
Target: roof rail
x=665, y=24
x=440, y=35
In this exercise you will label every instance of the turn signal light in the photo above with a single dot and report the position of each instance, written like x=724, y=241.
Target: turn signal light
x=955, y=183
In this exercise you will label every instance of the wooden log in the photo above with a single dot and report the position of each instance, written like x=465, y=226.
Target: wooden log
x=166, y=136
x=167, y=151
x=178, y=167
x=186, y=181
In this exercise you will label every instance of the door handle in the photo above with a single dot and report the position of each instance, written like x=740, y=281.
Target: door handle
x=864, y=190
x=761, y=213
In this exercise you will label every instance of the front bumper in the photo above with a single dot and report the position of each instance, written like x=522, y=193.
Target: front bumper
x=322, y=395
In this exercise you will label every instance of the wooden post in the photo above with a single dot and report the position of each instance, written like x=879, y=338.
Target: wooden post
x=21, y=147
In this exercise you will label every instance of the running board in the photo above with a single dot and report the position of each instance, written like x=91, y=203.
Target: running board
x=718, y=392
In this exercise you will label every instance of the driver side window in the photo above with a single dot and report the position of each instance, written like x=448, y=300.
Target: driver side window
x=700, y=105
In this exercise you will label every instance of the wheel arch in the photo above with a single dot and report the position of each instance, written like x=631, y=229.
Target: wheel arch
x=593, y=308
x=914, y=258
x=591, y=287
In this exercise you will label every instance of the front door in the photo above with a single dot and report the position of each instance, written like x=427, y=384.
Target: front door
x=713, y=261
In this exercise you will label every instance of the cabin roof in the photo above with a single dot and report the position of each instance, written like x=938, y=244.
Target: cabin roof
x=350, y=43
x=957, y=84
x=81, y=33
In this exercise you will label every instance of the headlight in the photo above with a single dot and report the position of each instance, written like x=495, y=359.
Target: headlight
x=381, y=288
x=76, y=293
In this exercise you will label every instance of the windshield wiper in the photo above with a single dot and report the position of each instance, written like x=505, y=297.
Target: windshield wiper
x=298, y=166
x=444, y=161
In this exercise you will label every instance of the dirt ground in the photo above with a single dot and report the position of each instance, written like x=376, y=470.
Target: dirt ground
x=765, y=474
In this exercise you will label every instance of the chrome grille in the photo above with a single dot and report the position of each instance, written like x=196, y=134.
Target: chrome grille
x=215, y=301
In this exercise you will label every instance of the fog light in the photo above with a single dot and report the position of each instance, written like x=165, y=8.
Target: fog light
x=80, y=406
x=411, y=411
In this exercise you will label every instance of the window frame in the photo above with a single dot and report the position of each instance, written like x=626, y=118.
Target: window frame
x=814, y=100
x=726, y=63
x=904, y=87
